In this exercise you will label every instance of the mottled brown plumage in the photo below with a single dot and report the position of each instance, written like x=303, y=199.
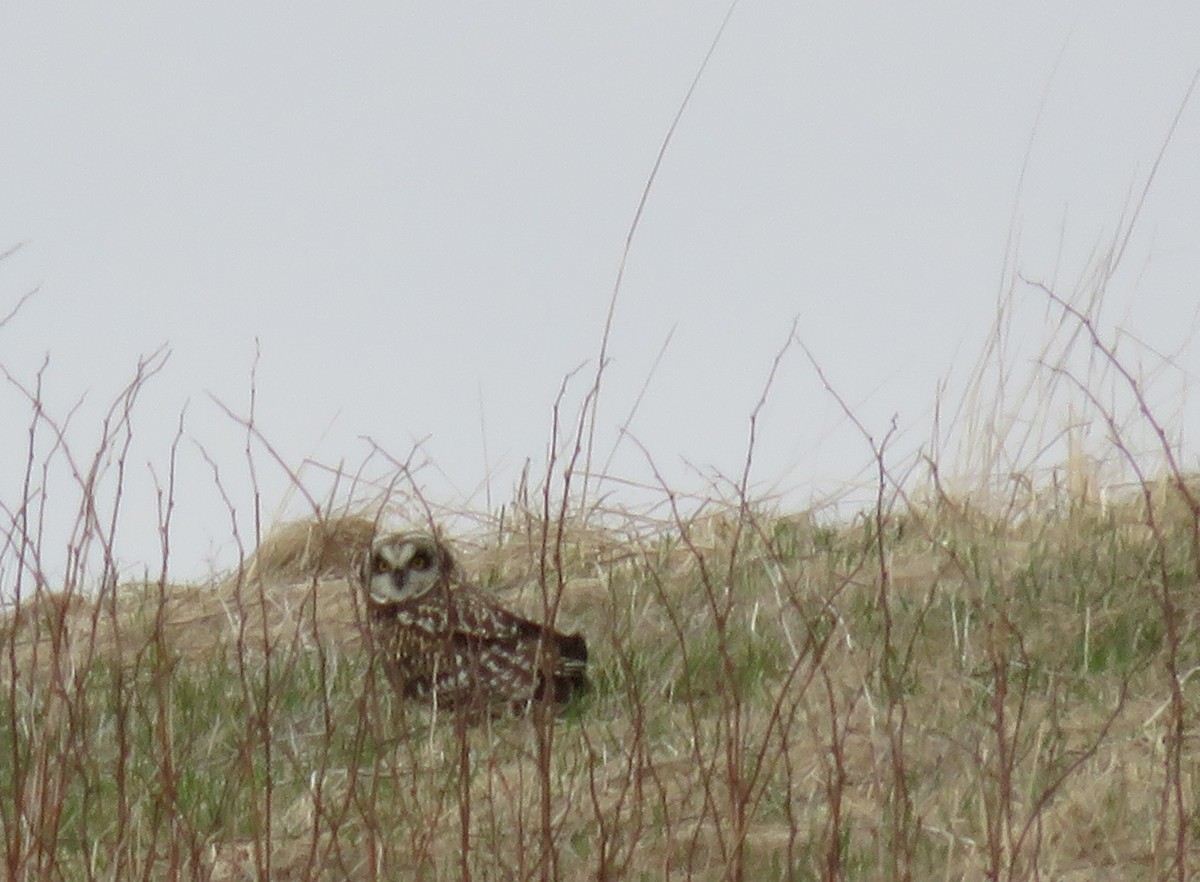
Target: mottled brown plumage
x=446, y=642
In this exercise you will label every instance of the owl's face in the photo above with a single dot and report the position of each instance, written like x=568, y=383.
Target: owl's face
x=404, y=567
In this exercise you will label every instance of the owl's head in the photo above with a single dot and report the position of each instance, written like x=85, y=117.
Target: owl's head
x=404, y=567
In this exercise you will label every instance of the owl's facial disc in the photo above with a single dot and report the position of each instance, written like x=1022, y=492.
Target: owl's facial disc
x=401, y=569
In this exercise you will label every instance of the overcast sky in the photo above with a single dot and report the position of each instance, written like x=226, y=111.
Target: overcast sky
x=415, y=213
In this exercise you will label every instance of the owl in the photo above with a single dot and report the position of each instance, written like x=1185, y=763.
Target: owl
x=447, y=643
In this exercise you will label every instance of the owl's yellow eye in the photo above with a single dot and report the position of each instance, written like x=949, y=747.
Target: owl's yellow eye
x=379, y=564
x=421, y=561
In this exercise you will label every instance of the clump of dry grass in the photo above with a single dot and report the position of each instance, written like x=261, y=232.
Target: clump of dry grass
x=311, y=549
x=296, y=589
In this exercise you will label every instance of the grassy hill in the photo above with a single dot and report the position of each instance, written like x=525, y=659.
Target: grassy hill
x=927, y=690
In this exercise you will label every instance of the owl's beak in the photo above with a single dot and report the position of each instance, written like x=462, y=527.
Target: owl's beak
x=386, y=587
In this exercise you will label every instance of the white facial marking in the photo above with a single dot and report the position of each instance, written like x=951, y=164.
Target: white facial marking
x=401, y=569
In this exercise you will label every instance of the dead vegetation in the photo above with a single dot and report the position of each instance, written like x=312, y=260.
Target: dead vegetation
x=294, y=592
x=755, y=709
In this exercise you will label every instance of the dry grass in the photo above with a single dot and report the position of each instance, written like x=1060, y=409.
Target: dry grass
x=756, y=714
x=293, y=592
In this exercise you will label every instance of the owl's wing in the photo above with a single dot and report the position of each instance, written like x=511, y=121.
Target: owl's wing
x=477, y=619
x=506, y=642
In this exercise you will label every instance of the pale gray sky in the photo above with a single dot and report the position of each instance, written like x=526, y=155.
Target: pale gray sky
x=418, y=211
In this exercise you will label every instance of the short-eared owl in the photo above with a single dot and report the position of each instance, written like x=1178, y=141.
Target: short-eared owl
x=446, y=642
